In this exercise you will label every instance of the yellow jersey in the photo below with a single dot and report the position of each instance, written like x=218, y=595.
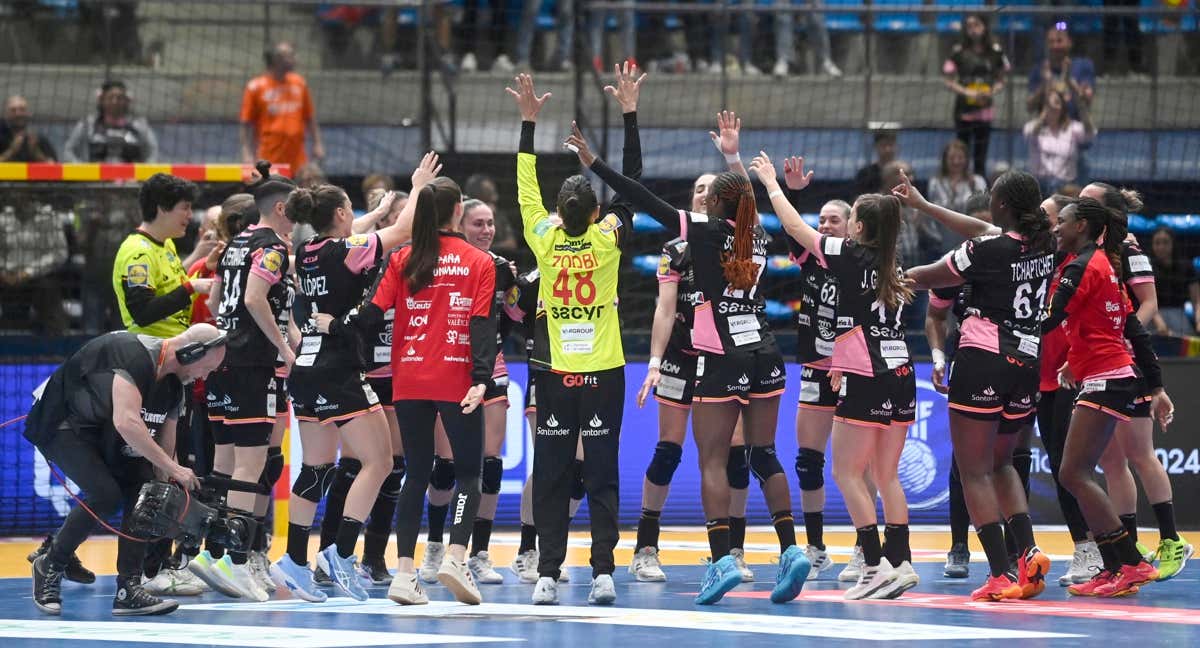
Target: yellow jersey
x=142, y=264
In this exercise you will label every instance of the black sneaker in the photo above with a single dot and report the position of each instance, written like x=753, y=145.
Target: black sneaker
x=375, y=568
x=321, y=578
x=47, y=586
x=958, y=561
x=133, y=600
x=75, y=571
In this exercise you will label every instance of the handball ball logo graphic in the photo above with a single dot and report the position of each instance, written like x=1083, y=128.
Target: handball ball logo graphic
x=918, y=466
x=925, y=462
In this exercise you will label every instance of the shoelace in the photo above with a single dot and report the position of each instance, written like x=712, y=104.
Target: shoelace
x=139, y=597
x=51, y=584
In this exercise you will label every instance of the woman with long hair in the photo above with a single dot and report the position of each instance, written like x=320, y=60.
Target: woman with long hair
x=879, y=389
x=954, y=184
x=975, y=72
x=1056, y=141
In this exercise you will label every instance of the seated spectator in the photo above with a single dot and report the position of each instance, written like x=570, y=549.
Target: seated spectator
x=1176, y=283
x=19, y=142
x=483, y=31
x=113, y=133
x=33, y=248
x=868, y=178
x=1055, y=141
x=597, y=22
x=954, y=182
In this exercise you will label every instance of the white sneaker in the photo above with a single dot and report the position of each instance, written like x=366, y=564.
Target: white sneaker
x=781, y=68
x=904, y=579
x=820, y=561
x=830, y=68
x=646, y=567
x=260, y=567
x=503, y=64
x=175, y=582
x=871, y=580
x=406, y=590
x=603, y=591
x=458, y=579
x=432, y=561
x=739, y=557
x=524, y=565
x=481, y=568
x=853, y=569
x=216, y=573
x=563, y=575
x=468, y=63
x=1085, y=563
x=545, y=592
x=751, y=70
x=251, y=590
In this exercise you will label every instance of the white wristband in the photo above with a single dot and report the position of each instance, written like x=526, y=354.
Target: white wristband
x=777, y=192
x=733, y=158
x=939, y=356
x=655, y=362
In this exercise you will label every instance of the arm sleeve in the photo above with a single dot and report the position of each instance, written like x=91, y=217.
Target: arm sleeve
x=483, y=326
x=639, y=196
x=145, y=308
x=1143, y=351
x=631, y=167
x=1068, y=283
x=534, y=216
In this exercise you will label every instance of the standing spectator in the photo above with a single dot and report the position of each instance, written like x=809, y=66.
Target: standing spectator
x=818, y=36
x=113, y=133
x=19, y=142
x=277, y=111
x=1075, y=78
x=1055, y=141
x=597, y=25
x=869, y=178
x=377, y=181
x=954, y=182
x=1124, y=25
x=1176, y=283
x=564, y=34
x=483, y=29
x=975, y=73
x=33, y=247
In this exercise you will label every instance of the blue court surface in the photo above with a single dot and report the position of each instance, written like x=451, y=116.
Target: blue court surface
x=937, y=611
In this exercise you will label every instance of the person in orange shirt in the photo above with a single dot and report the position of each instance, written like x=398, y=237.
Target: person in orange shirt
x=277, y=110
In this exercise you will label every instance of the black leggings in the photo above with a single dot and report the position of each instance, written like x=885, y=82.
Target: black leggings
x=976, y=135
x=465, y=432
x=1054, y=419
x=106, y=487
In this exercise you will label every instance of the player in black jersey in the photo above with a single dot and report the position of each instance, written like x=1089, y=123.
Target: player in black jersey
x=878, y=402
x=247, y=297
x=1010, y=270
x=740, y=371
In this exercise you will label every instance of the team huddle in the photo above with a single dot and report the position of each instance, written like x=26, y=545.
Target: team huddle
x=383, y=333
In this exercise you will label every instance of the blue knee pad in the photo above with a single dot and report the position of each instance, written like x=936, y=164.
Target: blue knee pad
x=493, y=471
x=442, y=477
x=737, y=469
x=810, y=469
x=662, y=466
x=313, y=481
x=578, y=490
x=764, y=463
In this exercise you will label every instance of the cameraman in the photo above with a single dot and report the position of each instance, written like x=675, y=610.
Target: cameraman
x=106, y=418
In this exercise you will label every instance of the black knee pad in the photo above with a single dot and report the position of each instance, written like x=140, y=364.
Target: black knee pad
x=442, y=477
x=737, y=469
x=273, y=469
x=662, y=466
x=1023, y=461
x=313, y=481
x=390, y=489
x=578, y=490
x=493, y=472
x=810, y=469
x=764, y=463
x=348, y=468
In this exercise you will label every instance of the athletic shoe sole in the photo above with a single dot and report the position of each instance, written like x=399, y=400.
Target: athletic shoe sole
x=459, y=589
x=165, y=607
x=1188, y=551
x=324, y=564
x=281, y=580
x=216, y=582
x=732, y=580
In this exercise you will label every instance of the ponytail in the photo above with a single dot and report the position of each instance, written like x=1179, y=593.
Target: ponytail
x=1020, y=193
x=315, y=206
x=436, y=203
x=1123, y=200
x=880, y=216
x=737, y=265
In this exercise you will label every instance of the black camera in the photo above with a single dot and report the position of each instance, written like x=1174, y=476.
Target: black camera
x=165, y=510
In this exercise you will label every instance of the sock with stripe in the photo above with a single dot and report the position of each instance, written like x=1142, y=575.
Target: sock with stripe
x=718, y=537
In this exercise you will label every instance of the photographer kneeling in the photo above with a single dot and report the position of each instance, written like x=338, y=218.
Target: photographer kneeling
x=106, y=418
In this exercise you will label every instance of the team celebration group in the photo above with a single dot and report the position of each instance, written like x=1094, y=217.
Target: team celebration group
x=382, y=334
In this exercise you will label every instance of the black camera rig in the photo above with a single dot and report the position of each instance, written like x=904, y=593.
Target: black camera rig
x=166, y=510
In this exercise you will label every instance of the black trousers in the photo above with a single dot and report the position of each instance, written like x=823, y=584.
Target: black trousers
x=570, y=405
x=1054, y=419
x=976, y=135
x=465, y=432
x=108, y=486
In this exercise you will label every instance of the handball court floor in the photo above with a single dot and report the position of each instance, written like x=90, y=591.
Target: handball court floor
x=937, y=611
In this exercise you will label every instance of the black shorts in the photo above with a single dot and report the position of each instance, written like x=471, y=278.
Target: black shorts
x=740, y=375
x=879, y=401
x=531, y=390
x=243, y=403
x=382, y=386
x=590, y=405
x=815, y=391
x=1141, y=404
x=987, y=386
x=1116, y=397
x=677, y=377
x=281, y=398
x=331, y=394
x=497, y=391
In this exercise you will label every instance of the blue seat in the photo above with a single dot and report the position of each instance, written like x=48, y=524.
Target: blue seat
x=1013, y=20
x=1183, y=224
x=643, y=224
x=897, y=23
x=813, y=220
x=1184, y=20
x=1139, y=224
x=779, y=312
x=770, y=222
x=951, y=23
x=843, y=22
x=1087, y=24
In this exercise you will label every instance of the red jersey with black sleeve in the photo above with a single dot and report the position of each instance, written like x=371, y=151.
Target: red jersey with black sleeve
x=257, y=250
x=816, y=323
x=444, y=335
x=870, y=334
x=332, y=276
x=1092, y=303
x=1054, y=341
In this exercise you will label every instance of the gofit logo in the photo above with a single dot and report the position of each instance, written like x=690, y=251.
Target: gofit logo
x=579, y=380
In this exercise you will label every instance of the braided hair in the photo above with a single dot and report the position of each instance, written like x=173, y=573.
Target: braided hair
x=732, y=192
x=1020, y=193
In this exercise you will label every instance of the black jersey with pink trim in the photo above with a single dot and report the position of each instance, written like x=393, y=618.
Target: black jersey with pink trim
x=870, y=339
x=675, y=266
x=725, y=319
x=257, y=250
x=1009, y=286
x=377, y=339
x=332, y=276
x=1135, y=269
x=816, y=323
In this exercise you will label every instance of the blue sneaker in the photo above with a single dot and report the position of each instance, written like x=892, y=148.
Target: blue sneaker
x=794, y=568
x=721, y=577
x=297, y=579
x=343, y=572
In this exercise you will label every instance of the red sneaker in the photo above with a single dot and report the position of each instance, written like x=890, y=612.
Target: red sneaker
x=1032, y=567
x=1089, y=588
x=1127, y=580
x=998, y=588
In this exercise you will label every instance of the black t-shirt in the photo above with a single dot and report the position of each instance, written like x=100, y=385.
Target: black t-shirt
x=870, y=333
x=332, y=278
x=976, y=71
x=25, y=153
x=816, y=323
x=725, y=319
x=257, y=250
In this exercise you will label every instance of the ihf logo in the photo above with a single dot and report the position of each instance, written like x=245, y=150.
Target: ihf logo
x=925, y=462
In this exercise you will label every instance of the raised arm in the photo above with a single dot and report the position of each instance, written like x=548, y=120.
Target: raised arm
x=727, y=140
x=529, y=193
x=401, y=231
x=630, y=189
x=960, y=224
x=627, y=89
x=793, y=224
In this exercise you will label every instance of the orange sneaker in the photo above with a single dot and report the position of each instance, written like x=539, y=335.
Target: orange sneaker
x=1089, y=587
x=1032, y=567
x=1127, y=580
x=998, y=588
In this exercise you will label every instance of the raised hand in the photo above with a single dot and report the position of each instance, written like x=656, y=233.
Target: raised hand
x=762, y=167
x=793, y=173
x=729, y=127
x=527, y=100
x=628, y=86
x=907, y=193
x=426, y=171
x=576, y=143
